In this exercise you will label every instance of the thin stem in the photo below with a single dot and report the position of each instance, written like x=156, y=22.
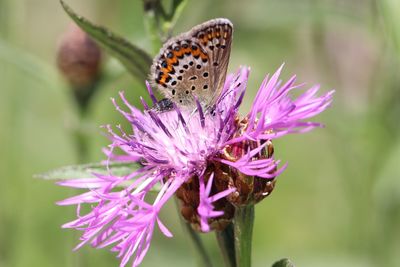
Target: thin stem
x=226, y=242
x=243, y=229
x=81, y=140
x=81, y=147
x=199, y=247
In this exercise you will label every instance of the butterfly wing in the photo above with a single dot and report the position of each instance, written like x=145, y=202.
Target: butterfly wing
x=215, y=37
x=194, y=64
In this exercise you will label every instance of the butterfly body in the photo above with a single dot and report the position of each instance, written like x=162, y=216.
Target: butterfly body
x=193, y=65
x=164, y=104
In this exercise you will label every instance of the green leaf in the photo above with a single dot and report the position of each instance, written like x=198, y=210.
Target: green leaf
x=29, y=64
x=283, y=263
x=87, y=170
x=136, y=60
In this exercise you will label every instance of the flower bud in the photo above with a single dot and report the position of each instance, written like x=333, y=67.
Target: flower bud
x=78, y=59
x=189, y=195
x=249, y=189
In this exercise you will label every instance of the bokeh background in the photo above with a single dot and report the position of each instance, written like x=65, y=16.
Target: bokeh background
x=338, y=203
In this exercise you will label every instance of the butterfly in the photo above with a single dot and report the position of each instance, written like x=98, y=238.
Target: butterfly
x=192, y=66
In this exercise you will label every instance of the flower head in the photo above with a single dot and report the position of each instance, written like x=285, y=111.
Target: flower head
x=211, y=158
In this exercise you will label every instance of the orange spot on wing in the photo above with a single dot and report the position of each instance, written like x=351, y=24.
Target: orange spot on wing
x=171, y=61
x=203, y=56
x=163, y=78
x=178, y=53
x=195, y=52
x=218, y=33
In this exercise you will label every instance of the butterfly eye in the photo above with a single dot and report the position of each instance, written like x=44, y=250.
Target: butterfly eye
x=205, y=74
x=164, y=64
x=170, y=55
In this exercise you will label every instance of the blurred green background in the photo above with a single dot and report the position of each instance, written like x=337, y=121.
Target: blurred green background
x=338, y=203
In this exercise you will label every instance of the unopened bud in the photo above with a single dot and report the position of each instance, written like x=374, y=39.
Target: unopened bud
x=79, y=60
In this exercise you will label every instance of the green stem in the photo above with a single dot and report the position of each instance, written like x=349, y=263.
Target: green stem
x=243, y=229
x=81, y=140
x=199, y=247
x=152, y=21
x=226, y=242
x=78, y=259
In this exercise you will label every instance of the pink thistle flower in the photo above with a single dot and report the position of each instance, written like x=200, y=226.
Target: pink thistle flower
x=206, y=157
